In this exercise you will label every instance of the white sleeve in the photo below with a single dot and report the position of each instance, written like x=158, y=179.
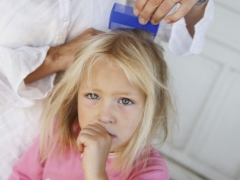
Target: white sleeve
x=15, y=65
x=179, y=40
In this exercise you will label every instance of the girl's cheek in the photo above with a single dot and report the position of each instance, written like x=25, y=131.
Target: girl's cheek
x=87, y=102
x=125, y=108
x=130, y=108
x=130, y=113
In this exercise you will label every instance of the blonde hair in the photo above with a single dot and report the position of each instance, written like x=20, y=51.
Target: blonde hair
x=142, y=61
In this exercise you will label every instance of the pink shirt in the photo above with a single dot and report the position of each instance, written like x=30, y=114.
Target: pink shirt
x=68, y=167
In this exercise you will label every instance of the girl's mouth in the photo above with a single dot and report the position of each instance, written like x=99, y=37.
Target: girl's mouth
x=113, y=136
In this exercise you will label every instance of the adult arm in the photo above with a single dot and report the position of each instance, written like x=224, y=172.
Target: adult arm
x=27, y=73
x=156, y=10
x=187, y=35
x=59, y=58
x=194, y=16
x=178, y=36
x=15, y=65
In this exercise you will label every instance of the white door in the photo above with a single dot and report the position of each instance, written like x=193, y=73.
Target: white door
x=207, y=143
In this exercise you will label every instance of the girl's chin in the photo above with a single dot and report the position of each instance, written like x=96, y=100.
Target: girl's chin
x=115, y=149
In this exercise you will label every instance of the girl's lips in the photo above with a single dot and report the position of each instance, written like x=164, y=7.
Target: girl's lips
x=113, y=136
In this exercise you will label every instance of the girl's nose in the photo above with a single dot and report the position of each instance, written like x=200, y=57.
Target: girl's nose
x=106, y=113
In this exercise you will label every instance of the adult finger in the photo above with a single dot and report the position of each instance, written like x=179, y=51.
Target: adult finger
x=162, y=10
x=139, y=5
x=148, y=10
x=184, y=8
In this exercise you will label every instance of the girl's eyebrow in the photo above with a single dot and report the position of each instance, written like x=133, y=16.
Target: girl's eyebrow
x=123, y=93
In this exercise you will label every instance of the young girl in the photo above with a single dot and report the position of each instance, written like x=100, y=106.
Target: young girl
x=101, y=117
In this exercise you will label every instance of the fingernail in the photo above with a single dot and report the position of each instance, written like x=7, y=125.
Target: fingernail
x=135, y=12
x=167, y=21
x=153, y=22
x=142, y=21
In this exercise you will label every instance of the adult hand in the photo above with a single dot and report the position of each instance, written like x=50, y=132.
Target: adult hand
x=63, y=55
x=59, y=58
x=156, y=10
x=94, y=143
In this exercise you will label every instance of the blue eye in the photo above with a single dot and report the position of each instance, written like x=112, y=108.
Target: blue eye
x=92, y=96
x=125, y=101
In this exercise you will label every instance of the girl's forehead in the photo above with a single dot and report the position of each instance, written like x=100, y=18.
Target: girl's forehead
x=100, y=65
x=106, y=74
x=104, y=70
x=103, y=62
x=111, y=68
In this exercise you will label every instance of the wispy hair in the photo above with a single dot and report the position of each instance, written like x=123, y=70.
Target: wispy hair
x=143, y=63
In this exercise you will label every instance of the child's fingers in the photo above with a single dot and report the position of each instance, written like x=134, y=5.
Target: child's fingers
x=84, y=140
x=90, y=135
x=93, y=129
x=92, y=141
x=80, y=148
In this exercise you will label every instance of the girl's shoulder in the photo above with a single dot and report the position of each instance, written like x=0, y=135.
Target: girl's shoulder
x=156, y=160
x=155, y=167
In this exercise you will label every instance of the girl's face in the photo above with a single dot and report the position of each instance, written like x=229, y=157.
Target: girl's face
x=110, y=101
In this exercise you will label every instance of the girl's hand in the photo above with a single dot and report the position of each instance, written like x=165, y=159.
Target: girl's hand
x=94, y=143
